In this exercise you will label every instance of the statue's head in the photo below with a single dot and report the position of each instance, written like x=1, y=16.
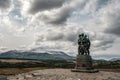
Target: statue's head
x=81, y=35
x=86, y=36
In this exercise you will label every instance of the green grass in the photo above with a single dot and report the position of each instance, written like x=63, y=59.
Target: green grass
x=12, y=71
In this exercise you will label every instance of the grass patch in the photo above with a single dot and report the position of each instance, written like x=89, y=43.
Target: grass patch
x=12, y=71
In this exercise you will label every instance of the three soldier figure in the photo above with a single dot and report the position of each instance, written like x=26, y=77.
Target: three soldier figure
x=84, y=44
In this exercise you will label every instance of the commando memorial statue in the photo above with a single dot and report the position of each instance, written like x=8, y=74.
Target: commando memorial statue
x=84, y=60
x=84, y=44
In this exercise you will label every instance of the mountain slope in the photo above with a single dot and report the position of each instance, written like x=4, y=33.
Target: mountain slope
x=53, y=55
x=115, y=59
x=60, y=54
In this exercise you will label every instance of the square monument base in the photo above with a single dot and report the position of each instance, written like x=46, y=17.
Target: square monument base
x=86, y=71
x=84, y=64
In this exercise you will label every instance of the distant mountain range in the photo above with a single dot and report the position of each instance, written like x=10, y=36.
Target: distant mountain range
x=103, y=60
x=49, y=55
x=115, y=59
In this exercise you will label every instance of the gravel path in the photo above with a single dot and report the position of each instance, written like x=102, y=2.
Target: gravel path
x=3, y=78
x=64, y=74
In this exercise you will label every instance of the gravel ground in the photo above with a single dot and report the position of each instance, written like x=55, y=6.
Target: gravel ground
x=3, y=77
x=64, y=74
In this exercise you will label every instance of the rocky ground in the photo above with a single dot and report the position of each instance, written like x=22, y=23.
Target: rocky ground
x=64, y=74
x=3, y=78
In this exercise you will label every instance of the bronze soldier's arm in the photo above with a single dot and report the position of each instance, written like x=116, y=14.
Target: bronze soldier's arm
x=89, y=43
x=79, y=42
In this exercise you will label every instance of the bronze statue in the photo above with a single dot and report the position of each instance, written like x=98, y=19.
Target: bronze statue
x=84, y=44
x=83, y=60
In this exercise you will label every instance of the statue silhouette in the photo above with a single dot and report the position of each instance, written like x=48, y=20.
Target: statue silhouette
x=84, y=44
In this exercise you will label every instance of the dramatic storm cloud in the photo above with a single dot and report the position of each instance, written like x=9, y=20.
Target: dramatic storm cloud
x=114, y=24
x=40, y=25
x=54, y=11
x=102, y=41
x=4, y=4
x=41, y=5
x=112, y=17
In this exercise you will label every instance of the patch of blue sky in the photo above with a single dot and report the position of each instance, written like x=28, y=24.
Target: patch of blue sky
x=78, y=18
x=101, y=3
x=15, y=15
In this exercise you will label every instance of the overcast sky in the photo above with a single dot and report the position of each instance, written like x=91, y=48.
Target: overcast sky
x=40, y=25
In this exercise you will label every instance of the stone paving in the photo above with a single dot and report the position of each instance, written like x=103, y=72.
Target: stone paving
x=64, y=74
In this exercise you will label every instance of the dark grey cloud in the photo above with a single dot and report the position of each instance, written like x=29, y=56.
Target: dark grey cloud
x=114, y=23
x=4, y=4
x=41, y=5
x=55, y=37
x=50, y=36
x=71, y=37
x=114, y=28
x=66, y=11
x=102, y=46
x=102, y=41
x=62, y=17
x=112, y=18
x=65, y=35
x=61, y=14
x=57, y=17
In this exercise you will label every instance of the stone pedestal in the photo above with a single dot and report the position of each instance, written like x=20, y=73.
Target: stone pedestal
x=84, y=64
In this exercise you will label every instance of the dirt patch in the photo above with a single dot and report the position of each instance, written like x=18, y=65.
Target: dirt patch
x=110, y=70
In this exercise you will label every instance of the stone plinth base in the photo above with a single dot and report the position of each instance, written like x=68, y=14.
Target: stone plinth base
x=84, y=64
x=86, y=71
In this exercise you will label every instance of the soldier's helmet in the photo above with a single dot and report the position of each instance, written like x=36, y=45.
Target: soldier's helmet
x=86, y=36
x=81, y=35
